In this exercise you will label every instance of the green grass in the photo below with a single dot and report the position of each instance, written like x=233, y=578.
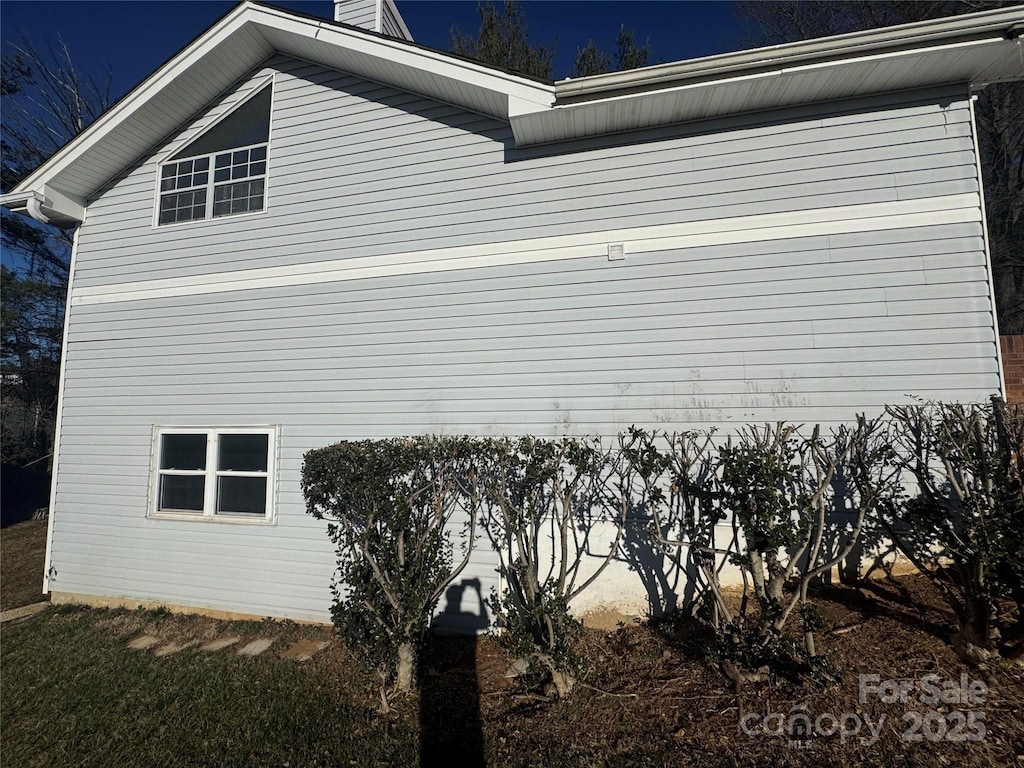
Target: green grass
x=74, y=695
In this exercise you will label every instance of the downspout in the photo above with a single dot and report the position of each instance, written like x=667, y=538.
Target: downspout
x=34, y=206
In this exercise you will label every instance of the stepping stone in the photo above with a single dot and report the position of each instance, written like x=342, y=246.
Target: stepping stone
x=169, y=648
x=144, y=642
x=219, y=644
x=304, y=650
x=256, y=647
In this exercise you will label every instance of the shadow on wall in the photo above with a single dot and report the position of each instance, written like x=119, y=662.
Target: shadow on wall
x=22, y=492
x=451, y=732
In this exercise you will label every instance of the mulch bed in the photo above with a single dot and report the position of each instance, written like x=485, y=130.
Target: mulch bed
x=652, y=697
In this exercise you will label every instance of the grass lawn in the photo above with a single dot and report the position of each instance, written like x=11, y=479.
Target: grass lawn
x=22, y=551
x=74, y=694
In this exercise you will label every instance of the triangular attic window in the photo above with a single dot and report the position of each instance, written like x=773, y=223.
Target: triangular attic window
x=223, y=171
x=248, y=124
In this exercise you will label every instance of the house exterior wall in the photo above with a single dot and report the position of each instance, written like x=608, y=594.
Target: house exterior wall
x=414, y=273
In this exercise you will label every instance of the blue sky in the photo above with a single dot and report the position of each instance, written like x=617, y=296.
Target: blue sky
x=134, y=37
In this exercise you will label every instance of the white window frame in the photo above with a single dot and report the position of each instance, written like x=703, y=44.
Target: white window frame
x=211, y=185
x=211, y=474
x=208, y=217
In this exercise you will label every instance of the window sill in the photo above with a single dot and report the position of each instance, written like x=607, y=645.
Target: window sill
x=222, y=519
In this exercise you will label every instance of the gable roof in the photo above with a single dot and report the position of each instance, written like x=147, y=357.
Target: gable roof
x=973, y=48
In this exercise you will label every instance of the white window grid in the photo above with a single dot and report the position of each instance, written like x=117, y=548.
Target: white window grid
x=227, y=173
x=212, y=474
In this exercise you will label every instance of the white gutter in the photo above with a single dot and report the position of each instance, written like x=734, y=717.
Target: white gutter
x=30, y=202
x=1001, y=24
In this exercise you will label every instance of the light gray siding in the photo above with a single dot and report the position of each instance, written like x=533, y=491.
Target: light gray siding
x=389, y=22
x=358, y=13
x=359, y=169
x=808, y=328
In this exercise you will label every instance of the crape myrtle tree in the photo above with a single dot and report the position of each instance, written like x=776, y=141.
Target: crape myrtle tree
x=46, y=101
x=392, y=507
x=999, y=111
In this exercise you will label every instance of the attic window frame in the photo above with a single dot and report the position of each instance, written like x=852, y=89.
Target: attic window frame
x=210, y=186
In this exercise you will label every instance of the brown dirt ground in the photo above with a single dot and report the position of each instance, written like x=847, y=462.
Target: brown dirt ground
x=22, y=551
x=651, y=697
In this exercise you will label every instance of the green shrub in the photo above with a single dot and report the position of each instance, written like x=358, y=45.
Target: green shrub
x=796, y=505
x=964, y=526
x=544, y=499
x=391, y=506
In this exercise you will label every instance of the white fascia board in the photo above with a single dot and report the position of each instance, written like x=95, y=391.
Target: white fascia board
x=48, y=206
x=45, y=180
x=993, y=25
x=399, y=53
x=78, y=147
x=64, y=207
x=398, y=17
x=556, y=124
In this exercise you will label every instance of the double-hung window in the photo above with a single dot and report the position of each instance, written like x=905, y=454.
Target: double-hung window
x=224, y=171
x=224, y=473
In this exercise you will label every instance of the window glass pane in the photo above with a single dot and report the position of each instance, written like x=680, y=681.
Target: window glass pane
x=183, y=206
x=240, y=197
x=258, y=153
x=248, y=124
x=184, y=492
x=242, y=453
x=242, y=495
x=183, y=451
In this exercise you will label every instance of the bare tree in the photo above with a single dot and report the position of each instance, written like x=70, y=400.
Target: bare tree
x=46, y=101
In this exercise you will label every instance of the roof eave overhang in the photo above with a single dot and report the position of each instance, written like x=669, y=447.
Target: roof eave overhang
x=974, y=49
x=196, y=76
x=971, y=49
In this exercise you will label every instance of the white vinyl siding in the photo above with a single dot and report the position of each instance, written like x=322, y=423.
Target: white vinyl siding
x=807, y=329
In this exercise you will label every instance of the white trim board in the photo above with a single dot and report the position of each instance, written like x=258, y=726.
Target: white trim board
x=61, y=381
x=740, y=229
